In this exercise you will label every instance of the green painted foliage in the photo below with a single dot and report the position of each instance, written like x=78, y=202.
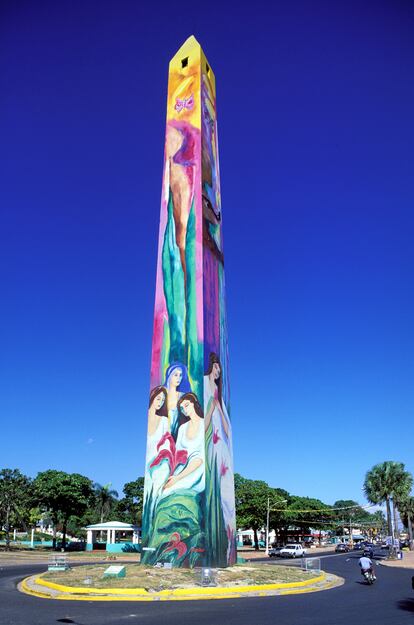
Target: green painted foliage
x=194, y=347
x=216, y=535
x=173, y=276
x=177, y=520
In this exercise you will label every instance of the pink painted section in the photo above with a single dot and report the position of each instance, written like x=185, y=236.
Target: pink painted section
x=190, y=160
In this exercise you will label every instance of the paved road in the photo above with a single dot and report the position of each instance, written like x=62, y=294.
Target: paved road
x=388, y=602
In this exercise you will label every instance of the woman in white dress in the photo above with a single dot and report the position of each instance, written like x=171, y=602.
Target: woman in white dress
x=219, y=455
x=156, y=476
x=190, y=439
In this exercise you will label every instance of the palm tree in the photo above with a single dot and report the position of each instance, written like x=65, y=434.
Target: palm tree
x=387, y=481
x=406, y=509
x=104, y=498
x=402, y=492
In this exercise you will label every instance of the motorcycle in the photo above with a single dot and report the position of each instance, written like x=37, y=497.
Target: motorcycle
x=369, y=576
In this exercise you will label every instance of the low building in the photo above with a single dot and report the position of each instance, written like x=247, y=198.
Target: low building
x=116, y=537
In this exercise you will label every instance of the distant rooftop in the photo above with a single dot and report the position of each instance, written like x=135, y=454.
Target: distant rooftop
x=112, y=525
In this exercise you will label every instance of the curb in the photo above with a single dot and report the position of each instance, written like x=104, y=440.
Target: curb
x=23, y=587
x=73, y=593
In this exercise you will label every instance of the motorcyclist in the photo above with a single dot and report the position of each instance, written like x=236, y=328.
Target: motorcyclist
x=366, y=565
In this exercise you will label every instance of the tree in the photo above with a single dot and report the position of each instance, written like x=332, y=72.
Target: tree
x=15, y=499
x=307, y=512
x=387, y=481
x=130, y=506
x=377, y=521
x=278, y=502
x=347, y=512
x=406, y=508
x=105, y=499
x=251, y=503
x=401, y=492
x=62, y=495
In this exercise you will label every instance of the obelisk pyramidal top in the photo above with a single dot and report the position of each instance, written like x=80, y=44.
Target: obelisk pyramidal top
x=189, y=511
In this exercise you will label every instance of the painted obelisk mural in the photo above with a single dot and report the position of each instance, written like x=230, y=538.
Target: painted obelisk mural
x=189, y=511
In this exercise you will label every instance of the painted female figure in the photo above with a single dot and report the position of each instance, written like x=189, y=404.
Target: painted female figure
x=176, y=383
x=190, y=438
x=178, y=523
x=157, y=427
x=219, y=460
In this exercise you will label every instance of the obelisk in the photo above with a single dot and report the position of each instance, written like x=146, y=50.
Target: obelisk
x=189, y=509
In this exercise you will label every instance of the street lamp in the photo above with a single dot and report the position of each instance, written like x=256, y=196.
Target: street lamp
x=267, y=522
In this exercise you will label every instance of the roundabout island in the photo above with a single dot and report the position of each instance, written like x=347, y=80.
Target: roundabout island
x=143, y=583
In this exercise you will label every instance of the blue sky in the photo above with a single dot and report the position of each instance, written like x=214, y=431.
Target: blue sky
x=315, y=107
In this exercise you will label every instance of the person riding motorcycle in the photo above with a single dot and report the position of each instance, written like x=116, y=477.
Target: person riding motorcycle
x=366, y=565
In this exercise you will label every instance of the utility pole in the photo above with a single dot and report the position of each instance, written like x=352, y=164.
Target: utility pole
x=267, y=526
x=393, y=550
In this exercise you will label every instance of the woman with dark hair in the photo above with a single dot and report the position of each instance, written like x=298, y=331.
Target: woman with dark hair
x=213, y=392
x=190, y=438
x=219, y=461
x=157, y=409
x=176, y=383
x=157, y=427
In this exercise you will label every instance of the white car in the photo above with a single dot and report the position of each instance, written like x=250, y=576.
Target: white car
x=294, y=550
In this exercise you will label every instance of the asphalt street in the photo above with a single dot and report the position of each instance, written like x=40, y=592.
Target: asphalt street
x=390, y=601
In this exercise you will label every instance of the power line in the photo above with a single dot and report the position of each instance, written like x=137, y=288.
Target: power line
x=322, y=522
x=322, y=509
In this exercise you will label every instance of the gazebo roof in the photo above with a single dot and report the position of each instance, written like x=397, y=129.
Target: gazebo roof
x=113, y=525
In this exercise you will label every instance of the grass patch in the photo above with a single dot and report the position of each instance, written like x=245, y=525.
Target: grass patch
x=154, y=579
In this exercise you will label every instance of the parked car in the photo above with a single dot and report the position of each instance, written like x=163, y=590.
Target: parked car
x=294, y=550
x=341, y=548
x=274, y=552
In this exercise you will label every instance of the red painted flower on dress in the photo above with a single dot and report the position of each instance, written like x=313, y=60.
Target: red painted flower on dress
x=223, y=469
x=171, y=455
x=216, y=436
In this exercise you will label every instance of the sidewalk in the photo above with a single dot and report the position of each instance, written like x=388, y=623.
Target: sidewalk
x=407, y=561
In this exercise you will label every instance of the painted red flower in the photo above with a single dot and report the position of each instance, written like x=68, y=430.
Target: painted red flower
x=216, y=436
x=223, y=469
x=176, y=543
x=171, y=455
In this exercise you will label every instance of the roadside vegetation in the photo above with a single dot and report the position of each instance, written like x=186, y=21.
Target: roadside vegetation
x=69, y=501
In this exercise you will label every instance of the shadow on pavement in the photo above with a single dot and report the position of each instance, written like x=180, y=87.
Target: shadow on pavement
x=406, y=604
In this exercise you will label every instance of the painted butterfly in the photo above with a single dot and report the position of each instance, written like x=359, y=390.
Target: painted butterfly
x=185, y=103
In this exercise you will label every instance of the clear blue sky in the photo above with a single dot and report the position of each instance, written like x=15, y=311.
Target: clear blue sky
x=315, y=105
